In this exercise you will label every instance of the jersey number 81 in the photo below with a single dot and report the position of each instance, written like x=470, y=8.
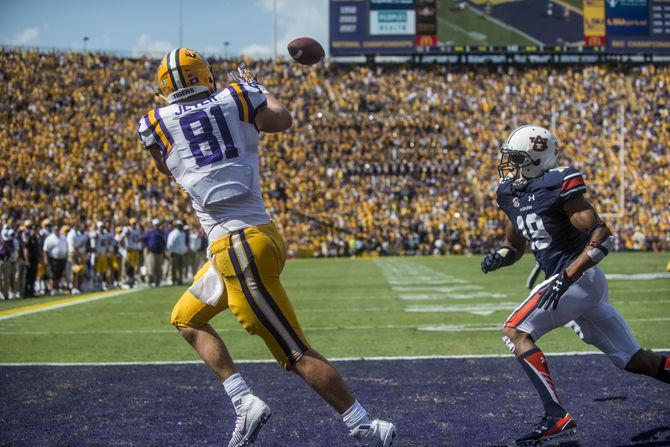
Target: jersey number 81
x=207, y=136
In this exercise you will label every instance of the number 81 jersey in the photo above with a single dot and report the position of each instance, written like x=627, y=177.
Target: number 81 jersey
x=211, y=149
x=537, y=213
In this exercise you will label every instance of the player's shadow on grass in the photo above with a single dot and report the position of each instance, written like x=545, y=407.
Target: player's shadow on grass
x=609, y=398
x=656, y=437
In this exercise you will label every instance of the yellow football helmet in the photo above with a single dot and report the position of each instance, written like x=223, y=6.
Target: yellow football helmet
x=183, y=73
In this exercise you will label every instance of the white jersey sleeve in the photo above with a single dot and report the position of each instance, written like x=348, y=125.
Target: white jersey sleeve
x=249, y=100
x=153, y=131
x=211, y=148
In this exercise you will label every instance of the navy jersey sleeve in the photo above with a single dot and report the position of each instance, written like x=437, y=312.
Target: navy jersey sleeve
x=572, y=184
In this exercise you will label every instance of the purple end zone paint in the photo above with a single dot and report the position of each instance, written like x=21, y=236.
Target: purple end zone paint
x=455, y=402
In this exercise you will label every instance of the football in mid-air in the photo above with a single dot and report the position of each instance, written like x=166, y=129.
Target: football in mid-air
x=306, y=51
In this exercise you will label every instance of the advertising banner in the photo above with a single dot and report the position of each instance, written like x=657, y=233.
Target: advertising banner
x=594, y=23
x=627, y=17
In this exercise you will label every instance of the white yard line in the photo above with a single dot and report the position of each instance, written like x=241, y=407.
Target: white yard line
x=337, y=359
x=637, y=276
x=476, y=309
x=412, y=282
x=451, y=296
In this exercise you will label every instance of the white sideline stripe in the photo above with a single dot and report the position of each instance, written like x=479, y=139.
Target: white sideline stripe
x=424, y=328
x=60, y=306
x=337, y=359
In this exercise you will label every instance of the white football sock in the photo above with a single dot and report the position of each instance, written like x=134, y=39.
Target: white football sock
x=236, y=388
x=355, y=416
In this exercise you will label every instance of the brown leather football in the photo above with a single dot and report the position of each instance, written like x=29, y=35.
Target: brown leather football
x=306, y=51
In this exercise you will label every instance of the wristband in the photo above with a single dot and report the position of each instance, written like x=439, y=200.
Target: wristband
x=508, y=255
x=598, y=251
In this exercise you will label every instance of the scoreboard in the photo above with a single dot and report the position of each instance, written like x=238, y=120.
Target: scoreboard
x=401, y=27
x=372, y=27
x=637, y=25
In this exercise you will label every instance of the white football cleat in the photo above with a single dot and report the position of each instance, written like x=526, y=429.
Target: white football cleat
x=252, y=414
x=378, y=434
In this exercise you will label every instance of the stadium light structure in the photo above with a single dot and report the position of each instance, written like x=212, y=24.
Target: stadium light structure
x=181, y=22
x=85, y=42
x=621, y=212
x=274, y=30
x=622, y=161
x=225, y=49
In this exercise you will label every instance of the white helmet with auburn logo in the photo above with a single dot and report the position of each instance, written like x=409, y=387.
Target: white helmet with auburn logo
x=530, y=150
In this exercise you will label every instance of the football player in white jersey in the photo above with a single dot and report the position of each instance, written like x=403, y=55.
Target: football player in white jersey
x=208, y=141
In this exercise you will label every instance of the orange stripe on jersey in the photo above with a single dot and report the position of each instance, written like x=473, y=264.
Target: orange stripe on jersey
x=159, y=130
x=519, y=316
x=572, y=183
x=243, y=101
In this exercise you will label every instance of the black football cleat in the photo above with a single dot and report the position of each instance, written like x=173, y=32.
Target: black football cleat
x=549, y=427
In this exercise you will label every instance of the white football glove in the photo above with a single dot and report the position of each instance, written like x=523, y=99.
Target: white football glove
x=246, y=76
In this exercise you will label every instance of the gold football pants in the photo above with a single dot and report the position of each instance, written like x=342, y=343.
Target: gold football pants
x=250, y=262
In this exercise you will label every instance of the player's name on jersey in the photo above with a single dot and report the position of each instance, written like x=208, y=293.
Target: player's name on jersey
x=183, y=108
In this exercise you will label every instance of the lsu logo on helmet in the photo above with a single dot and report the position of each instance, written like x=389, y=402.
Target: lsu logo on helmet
x=184, y=73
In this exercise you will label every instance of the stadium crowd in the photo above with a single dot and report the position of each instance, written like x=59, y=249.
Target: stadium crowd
x=49, y=259
x=382, y=159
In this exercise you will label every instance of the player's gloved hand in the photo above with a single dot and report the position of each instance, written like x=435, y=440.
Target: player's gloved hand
x=492, y=262
x=246, y=76
x=243, y=74
x=554, y=292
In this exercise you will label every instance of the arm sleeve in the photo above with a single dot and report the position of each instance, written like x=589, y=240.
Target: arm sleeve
x=249, y=100
x=147, y=132
x=572, y=184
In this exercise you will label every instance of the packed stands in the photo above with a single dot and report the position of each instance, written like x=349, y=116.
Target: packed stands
x=385, y=159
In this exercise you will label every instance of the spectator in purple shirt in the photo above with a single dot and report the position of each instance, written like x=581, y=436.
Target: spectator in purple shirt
x=154, y=245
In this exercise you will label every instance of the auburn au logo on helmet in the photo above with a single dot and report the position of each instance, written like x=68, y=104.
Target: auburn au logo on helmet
x=183, y=73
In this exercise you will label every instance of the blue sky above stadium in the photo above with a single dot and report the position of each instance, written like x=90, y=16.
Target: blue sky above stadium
x=136, y=27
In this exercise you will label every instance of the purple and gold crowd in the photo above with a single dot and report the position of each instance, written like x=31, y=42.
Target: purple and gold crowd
x=382, y=159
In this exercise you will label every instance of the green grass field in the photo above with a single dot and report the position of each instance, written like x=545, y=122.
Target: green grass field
x=466, y=27
x=347, y=307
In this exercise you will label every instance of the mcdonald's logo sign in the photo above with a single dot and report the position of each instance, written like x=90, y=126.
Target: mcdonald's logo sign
x=426, y=40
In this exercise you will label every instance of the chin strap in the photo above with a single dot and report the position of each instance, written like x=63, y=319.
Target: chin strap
x=520, y=183
x=599, y=247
